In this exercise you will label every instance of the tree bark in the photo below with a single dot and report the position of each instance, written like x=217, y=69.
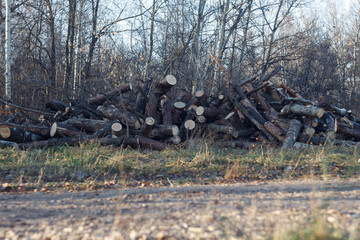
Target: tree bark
x=8, y=82
x=166, y=110
x=113, y=113
x=292, y=134
x=297, y=109
x=69, y=50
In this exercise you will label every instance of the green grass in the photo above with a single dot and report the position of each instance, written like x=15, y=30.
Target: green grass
x=201, y=163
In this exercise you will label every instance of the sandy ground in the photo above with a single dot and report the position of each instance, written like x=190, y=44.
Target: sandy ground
x=236, y=211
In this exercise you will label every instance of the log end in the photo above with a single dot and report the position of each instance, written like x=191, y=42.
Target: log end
x=171, y=80
x=199, y=93
x=201, y=119
x=175, y=130
x=190, y=124
x=320, y=113
x=150, y=121
x=179, y=105
x=53, y=129
x=5, y=132
x=200, y=110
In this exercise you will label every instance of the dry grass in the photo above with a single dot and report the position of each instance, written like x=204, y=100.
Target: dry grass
x=197, y=162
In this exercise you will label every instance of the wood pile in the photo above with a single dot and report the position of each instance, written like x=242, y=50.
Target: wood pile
x=242, y=115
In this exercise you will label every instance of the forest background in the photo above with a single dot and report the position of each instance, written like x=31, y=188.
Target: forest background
x=74, y=49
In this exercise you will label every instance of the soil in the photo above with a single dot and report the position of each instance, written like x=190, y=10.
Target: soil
x=234, y=211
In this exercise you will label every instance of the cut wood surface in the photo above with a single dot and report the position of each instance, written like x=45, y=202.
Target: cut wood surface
x=5, y=132
x=189, y=124
x=116, y=129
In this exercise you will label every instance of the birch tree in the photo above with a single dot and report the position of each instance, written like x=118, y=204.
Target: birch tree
x=77, y=73
x=7, y=51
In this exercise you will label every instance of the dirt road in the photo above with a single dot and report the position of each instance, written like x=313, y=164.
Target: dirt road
x=236, y=211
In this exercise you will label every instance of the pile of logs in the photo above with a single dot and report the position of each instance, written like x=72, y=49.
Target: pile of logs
x=255, y=111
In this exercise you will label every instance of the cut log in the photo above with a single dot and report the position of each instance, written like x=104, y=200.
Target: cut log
x=154, y=95
x=13, y=135
x=269, y=112
x=150, y=143
x=185, y=97
x=208, y=112
x=149, y=123
x=189, y=124
x=178, y=113
x=220, y=128
x=331, y=124
x=317, y=140
x=229, y=115
x=244, y=133
x=168, y=82
x=220, y=99
x=275, y=131
x=142, y=96
x=201, y=119
x=282, y=123
x=236, y=144
x=101, y=98
x=39, y=130
x=88, y=125
x=246, y=112
x=63, y=130
x=201, y=98
x=176, y=140
x=297, y=109
x=56, y=105
x=163, y=132
x=308, y=128
x=116, y=129
x=112, y=113
x=200, y=111
x=53, y=142
x=292, y=134
x=335, y=110
x=6, y=144
x=179, y=106
x=5, y=132
x=314, y=122
x=166, y=110
x=290, y=91
x=349, y=132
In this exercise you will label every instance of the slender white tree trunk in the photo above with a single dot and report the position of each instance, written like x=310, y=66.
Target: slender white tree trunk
x=219, y=46
x=7, y=52
x=77, y=71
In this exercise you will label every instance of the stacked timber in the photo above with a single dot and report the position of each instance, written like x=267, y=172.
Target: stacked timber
x=252, y=112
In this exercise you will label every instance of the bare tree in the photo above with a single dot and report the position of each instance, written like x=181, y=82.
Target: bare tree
x=8, y=82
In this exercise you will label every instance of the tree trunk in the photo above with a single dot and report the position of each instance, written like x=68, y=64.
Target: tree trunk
x=69, y=50
x=8, y=82
x=51, y=22
x=77, y=61
x=94, y=38
x=151, y=43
